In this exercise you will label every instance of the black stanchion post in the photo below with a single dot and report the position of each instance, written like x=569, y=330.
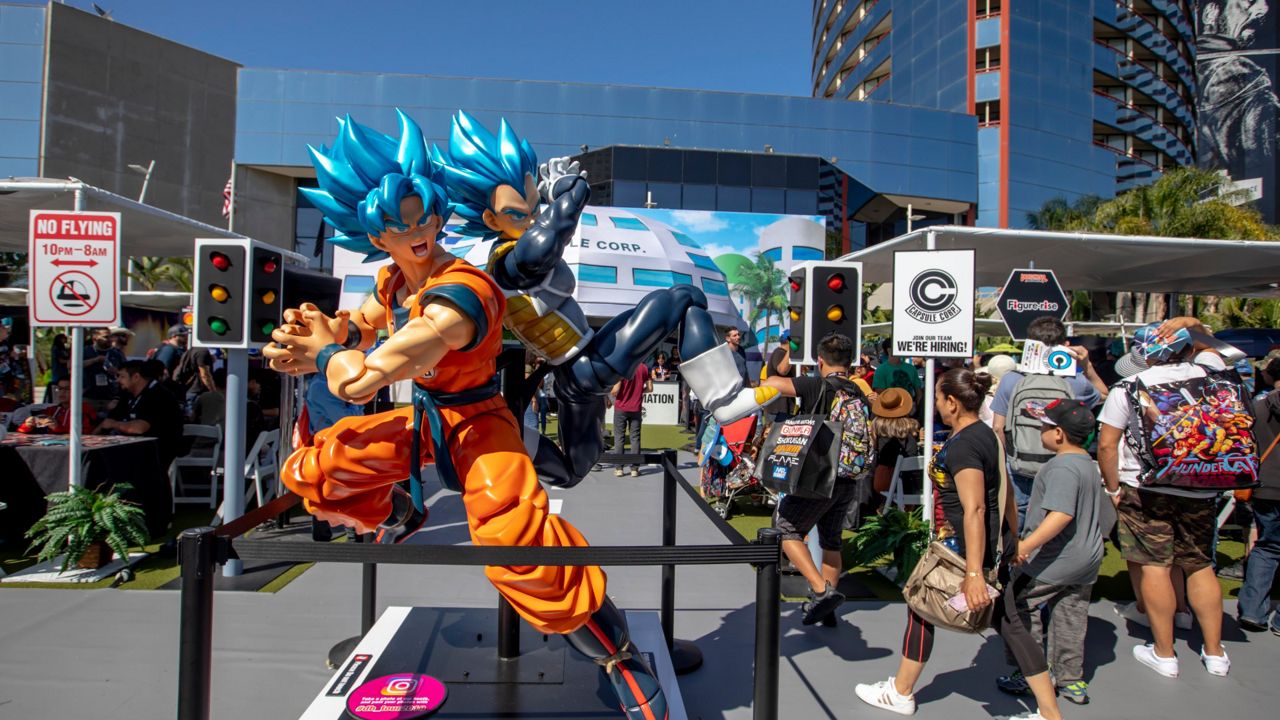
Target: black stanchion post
x=685, y=656
x=368, y=595
x=197, y=554
x=508, y=630
x=768, y=592
x=668, y=540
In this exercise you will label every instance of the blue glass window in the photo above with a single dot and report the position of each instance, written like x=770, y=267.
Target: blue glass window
x=681, y=279
x=597, y=274
x=652, y=278
x=800, y=253
x=704, y=262
x=686, y=241
x=774, y=254
x=715, y=287
x=628, y=223
x=588, y=219
x=363, y=284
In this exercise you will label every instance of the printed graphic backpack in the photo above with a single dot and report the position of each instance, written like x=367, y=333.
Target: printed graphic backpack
x=1021, y=433
x=1195, y=434
x=857, y=448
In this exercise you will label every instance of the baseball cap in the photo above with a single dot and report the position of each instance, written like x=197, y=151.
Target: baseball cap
x=119, y=331
x=786, y=335
x=1150, y=349
x=176, y=330
x=1072, y=416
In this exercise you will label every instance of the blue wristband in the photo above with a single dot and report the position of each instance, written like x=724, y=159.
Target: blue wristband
x=323, y=357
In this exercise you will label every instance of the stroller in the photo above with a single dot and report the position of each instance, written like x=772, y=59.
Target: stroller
x=727, y=463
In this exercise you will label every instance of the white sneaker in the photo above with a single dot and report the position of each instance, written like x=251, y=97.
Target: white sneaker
x=885, y=696
x=1033, y=715
x=1146, y=654
x=1129, y=611
x=1218, y=665
x=1182, y=620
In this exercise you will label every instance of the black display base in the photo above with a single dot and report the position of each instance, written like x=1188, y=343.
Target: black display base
x=459, y=646
x=685, y=656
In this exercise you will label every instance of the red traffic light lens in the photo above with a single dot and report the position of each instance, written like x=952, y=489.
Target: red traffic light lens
x=220, y=261
x=836, y=282
x=269, y=267
x=795, y=285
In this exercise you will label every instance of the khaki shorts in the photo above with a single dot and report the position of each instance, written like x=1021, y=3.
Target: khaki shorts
x=1164, y=530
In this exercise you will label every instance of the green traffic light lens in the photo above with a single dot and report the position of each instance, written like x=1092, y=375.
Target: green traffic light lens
x=267, y=326
x=795, y=346
x=218, y=325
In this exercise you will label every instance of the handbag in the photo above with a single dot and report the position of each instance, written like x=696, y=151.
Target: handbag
x=801, y=455
x=940, y=574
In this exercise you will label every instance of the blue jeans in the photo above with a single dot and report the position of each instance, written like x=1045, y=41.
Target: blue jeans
x=1022, y=496
x=1255, y=593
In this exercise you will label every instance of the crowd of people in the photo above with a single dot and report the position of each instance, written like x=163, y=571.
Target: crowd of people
x=152, y=395
x=1033, y=552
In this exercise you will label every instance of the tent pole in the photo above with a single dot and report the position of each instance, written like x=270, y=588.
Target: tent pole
x=926, y=488
x=74, y=465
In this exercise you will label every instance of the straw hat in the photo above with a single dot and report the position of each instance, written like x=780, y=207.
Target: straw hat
x=892, y=403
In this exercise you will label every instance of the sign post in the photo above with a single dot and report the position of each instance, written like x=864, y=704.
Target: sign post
x=933, y=294
x=74, y=275
x=1028, y=294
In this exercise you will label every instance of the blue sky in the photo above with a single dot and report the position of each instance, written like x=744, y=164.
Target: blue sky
x=737, y=45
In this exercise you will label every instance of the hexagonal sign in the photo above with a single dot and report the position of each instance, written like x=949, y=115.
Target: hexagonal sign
x=1028, y=294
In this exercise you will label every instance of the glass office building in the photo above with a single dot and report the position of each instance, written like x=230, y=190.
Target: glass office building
x=1072, y=97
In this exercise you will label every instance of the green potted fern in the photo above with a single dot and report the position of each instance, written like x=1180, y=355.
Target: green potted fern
x=87, y=527
x=903, y=535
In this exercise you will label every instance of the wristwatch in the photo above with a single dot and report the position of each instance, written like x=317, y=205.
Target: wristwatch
x=973, y=574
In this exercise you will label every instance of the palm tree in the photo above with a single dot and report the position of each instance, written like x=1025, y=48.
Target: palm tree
x=1184, y=202
x=147, y=272
x=761, y=284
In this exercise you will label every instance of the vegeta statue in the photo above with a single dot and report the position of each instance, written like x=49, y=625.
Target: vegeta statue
x=492, y=180
x=387, y=197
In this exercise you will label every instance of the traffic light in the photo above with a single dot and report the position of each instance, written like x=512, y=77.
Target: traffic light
x=238, y=288
x=266, y=291
x=826, y=297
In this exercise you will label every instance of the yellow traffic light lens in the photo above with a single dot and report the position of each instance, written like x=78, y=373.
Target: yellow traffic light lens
x=268, y=297
x=795, y=316
x=219, y=293
x=835, y=313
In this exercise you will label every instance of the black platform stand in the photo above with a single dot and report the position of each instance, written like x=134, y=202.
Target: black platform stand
x=459, y=646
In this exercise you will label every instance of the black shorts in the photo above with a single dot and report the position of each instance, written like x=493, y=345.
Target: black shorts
x=797, y=516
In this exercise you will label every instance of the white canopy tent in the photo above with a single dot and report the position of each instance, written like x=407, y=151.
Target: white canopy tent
x=1087, y=261
x=146, y=230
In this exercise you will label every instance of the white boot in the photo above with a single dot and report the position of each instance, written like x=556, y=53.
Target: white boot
x=713, y=377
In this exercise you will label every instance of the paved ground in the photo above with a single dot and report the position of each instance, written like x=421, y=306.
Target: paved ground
x=113, y=654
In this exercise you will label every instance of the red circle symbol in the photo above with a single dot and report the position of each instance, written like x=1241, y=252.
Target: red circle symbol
x=74, y=293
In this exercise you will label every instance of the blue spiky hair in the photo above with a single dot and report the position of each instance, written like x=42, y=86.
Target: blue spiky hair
x=366, y=175
x=480, y=163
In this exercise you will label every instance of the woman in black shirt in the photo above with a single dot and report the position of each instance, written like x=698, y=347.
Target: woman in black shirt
x=966, y=480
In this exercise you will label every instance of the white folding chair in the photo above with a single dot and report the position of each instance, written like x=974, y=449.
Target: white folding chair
x=261, y=464
x=201, y=455
x=895, y=493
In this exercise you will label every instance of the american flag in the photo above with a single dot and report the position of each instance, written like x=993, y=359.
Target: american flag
x=226, y=200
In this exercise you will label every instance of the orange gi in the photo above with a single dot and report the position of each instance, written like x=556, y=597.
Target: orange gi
x=346, y=475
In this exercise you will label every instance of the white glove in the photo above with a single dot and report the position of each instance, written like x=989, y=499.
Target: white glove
x=551, y=171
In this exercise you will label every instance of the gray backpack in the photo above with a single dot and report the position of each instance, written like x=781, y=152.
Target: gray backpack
x=1021, y=433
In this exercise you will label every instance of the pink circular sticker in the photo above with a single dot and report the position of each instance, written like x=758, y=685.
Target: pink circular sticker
x=397, y=697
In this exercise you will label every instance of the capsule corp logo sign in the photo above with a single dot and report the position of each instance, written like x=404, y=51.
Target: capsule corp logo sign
x=402, y=696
